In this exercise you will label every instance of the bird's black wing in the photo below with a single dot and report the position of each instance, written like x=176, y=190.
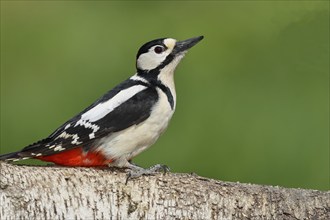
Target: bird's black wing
x=76, y=132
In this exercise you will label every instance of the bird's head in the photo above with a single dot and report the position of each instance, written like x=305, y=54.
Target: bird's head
x=155, y=55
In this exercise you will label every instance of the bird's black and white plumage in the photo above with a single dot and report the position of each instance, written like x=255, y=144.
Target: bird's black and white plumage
x=125, y=121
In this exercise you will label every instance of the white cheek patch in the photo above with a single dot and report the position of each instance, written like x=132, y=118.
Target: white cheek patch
x=150, y=60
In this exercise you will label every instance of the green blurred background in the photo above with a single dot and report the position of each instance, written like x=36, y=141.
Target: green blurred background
x=253, y=101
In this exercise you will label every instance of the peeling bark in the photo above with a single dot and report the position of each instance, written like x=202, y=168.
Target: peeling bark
x=32, y=192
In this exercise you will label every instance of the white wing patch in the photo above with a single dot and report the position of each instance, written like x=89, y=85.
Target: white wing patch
x=92, y=135
x=65, y=135
x=67, y=126
x=59, y=148
x=102, y=109
x=37, y=155
x=87, y=124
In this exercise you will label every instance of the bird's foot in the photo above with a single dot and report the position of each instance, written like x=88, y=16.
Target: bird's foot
x=136, y=171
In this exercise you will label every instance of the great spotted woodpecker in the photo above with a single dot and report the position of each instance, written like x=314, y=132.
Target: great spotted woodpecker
x=122, y=123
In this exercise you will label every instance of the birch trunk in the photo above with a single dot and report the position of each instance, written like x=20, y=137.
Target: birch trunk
x=32, y=192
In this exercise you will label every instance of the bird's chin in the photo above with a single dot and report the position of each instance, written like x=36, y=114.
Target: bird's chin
x=172, y=66
x=181, y=55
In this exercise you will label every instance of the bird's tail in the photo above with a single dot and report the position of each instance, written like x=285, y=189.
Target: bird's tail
x=12, y=157
x=22, y=154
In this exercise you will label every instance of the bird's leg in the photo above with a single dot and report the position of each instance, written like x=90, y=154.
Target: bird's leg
x=136, y=171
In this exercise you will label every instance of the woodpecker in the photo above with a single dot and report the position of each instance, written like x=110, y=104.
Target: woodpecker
x=122, y=123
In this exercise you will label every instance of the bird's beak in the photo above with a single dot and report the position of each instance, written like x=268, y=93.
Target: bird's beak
x=182, y=46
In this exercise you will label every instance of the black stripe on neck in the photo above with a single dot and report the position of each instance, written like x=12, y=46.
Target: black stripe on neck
x=152, y=79
x=168, y=93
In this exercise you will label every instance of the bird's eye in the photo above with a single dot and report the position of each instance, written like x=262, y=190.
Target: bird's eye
x=159, y=49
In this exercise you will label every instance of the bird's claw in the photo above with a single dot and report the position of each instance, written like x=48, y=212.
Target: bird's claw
x=138, y=171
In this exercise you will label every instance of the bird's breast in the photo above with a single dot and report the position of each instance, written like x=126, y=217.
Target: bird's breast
x=127, y=143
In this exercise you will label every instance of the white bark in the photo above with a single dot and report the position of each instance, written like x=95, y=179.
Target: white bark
x=32, y=192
